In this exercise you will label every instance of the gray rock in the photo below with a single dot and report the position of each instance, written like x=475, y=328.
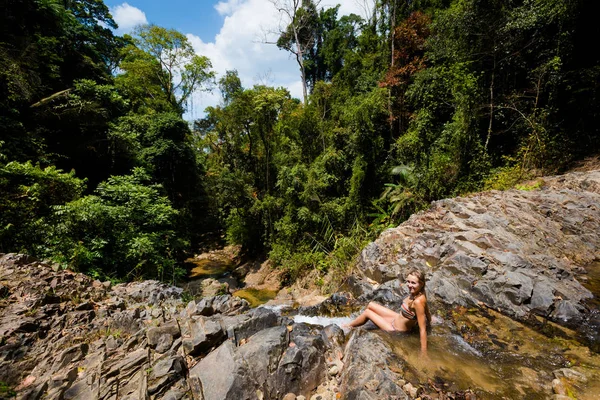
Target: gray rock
x=216, y=377
x=205, y=334
x=170, y=329
x=369, y=375
x=165, y=372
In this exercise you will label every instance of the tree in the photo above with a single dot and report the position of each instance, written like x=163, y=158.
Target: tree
x=298, y=37
x=162, y=64
x=407, y=59
x=126, y=229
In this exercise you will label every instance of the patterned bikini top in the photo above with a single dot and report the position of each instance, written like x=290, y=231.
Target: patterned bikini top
x=407, y=313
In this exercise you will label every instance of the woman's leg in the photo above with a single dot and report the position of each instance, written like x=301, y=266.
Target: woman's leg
x=382, y=310
x=378, y=314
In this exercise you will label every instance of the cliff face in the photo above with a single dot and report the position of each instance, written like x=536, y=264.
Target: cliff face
x=521, y=252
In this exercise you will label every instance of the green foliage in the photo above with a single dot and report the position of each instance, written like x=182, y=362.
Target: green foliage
x=125, y=229
x=162, y=71
x=506, y=177
x=6, y=390
x=27, y=194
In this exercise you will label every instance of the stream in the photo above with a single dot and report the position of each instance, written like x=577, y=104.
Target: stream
x=490, y=355
x=477, y=350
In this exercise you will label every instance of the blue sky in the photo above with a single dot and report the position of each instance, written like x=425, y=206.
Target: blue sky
x=231, y=33
x=199, y=17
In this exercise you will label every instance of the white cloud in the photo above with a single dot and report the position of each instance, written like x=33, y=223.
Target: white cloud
x=227, y=7
x=240, y=45
x=127, y=17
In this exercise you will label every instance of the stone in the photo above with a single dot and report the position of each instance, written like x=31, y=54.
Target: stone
x=371, y=375
x=205, y=334
x=165, y=372
x=165, y=342
x=558, y=386
x=168, y=329
x=216, y=374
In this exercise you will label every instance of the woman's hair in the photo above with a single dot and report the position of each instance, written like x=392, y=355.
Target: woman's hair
x=418, y=274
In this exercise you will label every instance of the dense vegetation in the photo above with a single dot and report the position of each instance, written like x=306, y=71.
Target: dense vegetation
x=422, y=100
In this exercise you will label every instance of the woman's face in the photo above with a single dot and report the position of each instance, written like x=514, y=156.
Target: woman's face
x=414, y=284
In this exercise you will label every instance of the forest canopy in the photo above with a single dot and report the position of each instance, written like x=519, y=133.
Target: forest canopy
x=423, y=100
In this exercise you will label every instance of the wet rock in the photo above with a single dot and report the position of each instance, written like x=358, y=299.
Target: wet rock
x=368, y=374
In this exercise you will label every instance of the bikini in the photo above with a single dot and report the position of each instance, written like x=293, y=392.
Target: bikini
x=406, y=313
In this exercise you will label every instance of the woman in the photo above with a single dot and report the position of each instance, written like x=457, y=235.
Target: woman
x=413, y=311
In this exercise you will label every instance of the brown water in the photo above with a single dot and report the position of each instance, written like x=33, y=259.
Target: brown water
x=497, y=358
x=208, y=267
x=214, y=267
x=219, y=267
x=254, y=296
x=592, y=282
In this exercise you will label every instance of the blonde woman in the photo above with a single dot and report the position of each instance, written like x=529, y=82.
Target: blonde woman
x=413, y=311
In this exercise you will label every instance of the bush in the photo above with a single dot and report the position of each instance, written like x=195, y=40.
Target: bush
x=126, y=229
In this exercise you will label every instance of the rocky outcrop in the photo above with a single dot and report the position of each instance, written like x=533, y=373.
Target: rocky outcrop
x=64, y=335
x=522, y=252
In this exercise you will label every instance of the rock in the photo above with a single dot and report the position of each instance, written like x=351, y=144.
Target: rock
x=204, y=335
x=570, y=374
x=412, y=391
x=558, y=386
x=216, y=374
x=211, y=287
x=370, y=376
x=163, y=332
x=165, y=372
x=164, y=343
x=241, y=327
x=334, y=370
x=519, y=252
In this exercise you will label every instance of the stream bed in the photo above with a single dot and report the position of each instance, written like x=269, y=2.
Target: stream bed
x=471, y=350
x=483, y=352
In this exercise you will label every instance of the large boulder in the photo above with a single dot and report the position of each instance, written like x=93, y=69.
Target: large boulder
x=521, y=252
x=271, y=363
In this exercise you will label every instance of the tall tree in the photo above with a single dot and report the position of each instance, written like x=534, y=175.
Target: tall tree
x=163, y=62
x=298, y=36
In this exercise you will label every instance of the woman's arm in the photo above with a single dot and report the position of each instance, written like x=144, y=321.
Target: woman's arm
x=421, y=310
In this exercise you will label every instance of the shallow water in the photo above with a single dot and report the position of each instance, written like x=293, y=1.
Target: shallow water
x=208, y=268
x=497, y=358
x=491, y=355
x=254, y=296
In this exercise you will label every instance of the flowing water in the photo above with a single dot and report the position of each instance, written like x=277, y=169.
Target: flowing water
x=476, y=350
x=490, y=355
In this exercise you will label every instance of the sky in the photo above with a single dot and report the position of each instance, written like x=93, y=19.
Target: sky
x=231, y=33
